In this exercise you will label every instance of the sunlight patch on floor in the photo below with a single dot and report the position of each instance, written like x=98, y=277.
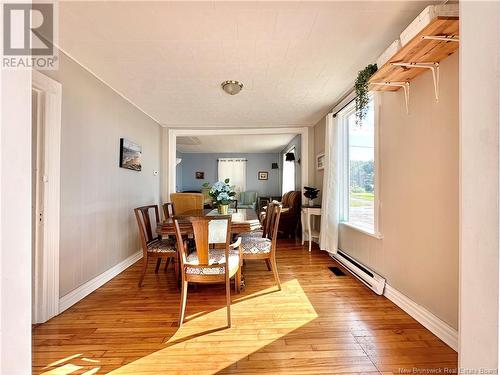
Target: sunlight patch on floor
x=226, y=346
x=62, y=368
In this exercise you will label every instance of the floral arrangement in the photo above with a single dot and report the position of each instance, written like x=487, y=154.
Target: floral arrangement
x=221, y=192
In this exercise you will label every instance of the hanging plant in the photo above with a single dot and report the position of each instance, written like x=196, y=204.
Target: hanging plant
x=361, y=87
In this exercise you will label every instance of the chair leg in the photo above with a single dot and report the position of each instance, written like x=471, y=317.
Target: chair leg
x=228, y=302
x=144, y=269
x=268, y=264
x=166, y=264
x=275, y=272
x=176, y=269
x=158, y=262
x=237, y=281
x=184, y=290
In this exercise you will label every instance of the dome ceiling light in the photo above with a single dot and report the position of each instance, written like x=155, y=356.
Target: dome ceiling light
x=232, y=87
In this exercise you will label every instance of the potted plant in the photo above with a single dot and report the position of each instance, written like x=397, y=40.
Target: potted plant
x=222, y=195
x=311, y=193
x=362, y=93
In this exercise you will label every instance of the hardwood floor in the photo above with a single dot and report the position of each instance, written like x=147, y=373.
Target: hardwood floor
x=318, y=324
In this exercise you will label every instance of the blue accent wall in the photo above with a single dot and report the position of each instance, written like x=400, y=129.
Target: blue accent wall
x=207, y=163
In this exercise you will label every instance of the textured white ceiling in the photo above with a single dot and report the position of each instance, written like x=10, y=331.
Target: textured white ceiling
x=169, y=58
x=248, y=143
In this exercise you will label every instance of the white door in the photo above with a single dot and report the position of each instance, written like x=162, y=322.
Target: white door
x=46, y=162
x=38, y=172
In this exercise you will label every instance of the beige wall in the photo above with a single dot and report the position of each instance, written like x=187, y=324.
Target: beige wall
x=98, y=229
x=319, y=147
x=418, y=176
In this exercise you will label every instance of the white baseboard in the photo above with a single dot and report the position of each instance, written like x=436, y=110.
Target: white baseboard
x=430, y=321
x=84, y=290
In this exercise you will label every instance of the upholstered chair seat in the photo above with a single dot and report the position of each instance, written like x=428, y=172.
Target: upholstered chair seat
x=255, y=245
x=215, y=256
x=162, y=246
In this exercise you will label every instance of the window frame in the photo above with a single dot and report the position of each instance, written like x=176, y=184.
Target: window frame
x=343, y=177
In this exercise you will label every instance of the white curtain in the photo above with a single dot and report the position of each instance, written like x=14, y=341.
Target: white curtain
x=330, y=196
x=288, y=179
x=235, y=170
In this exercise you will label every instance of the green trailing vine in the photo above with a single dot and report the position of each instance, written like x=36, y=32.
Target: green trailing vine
x=362, y=93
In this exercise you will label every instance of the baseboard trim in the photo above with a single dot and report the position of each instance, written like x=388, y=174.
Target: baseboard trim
x=84, y=290
x=430, y=321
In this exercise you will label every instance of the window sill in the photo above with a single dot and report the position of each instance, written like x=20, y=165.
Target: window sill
x=378, y=236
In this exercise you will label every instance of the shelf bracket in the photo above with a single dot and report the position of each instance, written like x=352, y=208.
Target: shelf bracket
x=442, y=38
x=432, y=66
x=404, y=85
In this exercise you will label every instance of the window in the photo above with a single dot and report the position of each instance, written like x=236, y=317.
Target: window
x=288, y=181
x=357, y=166
x=234, y=169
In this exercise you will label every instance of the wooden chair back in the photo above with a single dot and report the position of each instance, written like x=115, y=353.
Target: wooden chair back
x=208, y=230
x=275, y=223
x=183, y=202
x=168, y=210
x=267, y=223
x=143, y=217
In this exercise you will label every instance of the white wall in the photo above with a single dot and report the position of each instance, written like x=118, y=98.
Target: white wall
x=479, y=196
x=15, y=223
x=98, y=227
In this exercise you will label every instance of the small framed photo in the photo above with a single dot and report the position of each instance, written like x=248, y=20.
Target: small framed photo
x=199, y=175
x=263, y=175
x=320, y=161
x=130, y=155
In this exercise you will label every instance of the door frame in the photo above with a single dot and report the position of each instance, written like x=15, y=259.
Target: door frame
x=46, y=291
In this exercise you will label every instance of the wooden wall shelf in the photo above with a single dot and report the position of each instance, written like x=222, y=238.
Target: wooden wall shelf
x=418, y=50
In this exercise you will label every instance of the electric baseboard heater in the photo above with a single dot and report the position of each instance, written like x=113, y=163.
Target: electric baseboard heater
x=372, y=280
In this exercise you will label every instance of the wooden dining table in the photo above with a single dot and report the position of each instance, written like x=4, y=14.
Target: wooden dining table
x=242, y=220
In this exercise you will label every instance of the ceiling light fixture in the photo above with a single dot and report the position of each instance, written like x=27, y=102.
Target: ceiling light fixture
x=232, y=87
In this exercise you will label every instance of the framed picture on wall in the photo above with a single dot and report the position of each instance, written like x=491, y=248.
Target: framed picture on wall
x=320, y=161
x=199, y=175
x=263, y=175
x=130, y=155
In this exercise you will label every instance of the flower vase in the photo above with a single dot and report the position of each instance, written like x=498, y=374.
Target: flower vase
x=223, y=209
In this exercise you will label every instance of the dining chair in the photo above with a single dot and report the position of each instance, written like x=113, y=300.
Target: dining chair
x=168, y=210
x=208, y=263
x=154, y=246
x=262, y=233
x=183, y=202
x=265, y=247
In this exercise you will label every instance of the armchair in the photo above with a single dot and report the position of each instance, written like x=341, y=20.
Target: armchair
x=248, y=199
x=290, y=215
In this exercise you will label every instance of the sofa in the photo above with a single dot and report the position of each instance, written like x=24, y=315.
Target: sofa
x=290, y=214
x=247, y=199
